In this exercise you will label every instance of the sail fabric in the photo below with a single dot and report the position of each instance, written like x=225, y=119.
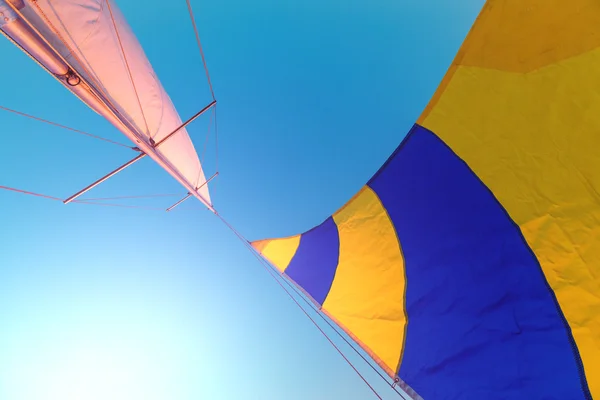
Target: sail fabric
x=108, y=55
x=469, y=265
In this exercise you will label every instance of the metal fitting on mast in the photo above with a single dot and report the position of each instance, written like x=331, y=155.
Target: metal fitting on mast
x=19, y=31
x=31, y=41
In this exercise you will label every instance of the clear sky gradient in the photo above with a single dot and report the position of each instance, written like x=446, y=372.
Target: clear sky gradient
x=125, y=304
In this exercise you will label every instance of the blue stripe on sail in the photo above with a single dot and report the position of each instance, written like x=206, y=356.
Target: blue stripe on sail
x=482, y=321
x=314, y=264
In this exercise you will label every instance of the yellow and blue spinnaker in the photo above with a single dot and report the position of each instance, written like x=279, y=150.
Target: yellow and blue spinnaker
x=469, y=265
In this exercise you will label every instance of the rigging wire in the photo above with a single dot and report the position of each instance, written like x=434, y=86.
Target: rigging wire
x=278, y=278
x=64, y=127
x=274, y=276
x=191, y=12
x=29, y=193
x=216, y=145
x=45, y=196
x=210, y=85
x=116, y=205
x=130, y=197
x=266, y=266
x=393, y=385
x=210, y=122
x=332, y=326
x=269, y=269
x=216, y=140
x=137, y=96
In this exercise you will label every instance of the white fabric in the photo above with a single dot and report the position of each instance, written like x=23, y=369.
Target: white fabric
x=87, y=28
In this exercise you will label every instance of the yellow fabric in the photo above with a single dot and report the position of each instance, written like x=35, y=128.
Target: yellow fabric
x=521, y=105
x=367, y=294
x=259, y=245
x=279, y=251
x=534, y=33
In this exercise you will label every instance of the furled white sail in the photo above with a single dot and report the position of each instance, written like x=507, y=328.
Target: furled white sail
x=93, y=37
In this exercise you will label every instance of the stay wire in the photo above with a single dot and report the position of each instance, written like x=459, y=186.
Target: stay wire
x=216, y=143
x=216, y=140
x=45, y=196
x=143, y=196
x=206, y=140
x=117, y=205
x=64, y=127
x=12, y=189
x=210, y=85
x=264, y=264
x=278, y=281
x=328, y=322
x=191, y=12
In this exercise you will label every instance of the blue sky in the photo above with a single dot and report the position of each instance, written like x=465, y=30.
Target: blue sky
x=106, y=302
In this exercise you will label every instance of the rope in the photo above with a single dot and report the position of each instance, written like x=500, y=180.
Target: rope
x=267, y=266
x=130, y=197
x=21, y=191
x=216, y=140
x=210, y=85
x=274, y=276
x=333, y=327
x=63, y=127
x=29, y=193
x=216, y=145
x=263, y=263
x=116, y=205
x=210, y=122
x=128, y=68
x=205, y=147
x=191, y=12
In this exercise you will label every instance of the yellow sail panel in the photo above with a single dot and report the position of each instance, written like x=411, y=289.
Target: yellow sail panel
x=375, y=314
x=278, y=252
x=520, y=106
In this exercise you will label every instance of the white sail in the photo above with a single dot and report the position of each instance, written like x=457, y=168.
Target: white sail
x=93, y=37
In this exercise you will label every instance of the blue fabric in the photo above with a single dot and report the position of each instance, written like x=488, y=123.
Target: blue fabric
x=314, y=264
x=483, y=323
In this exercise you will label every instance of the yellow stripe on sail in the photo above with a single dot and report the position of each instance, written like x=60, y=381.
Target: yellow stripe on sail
x=367, y=294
